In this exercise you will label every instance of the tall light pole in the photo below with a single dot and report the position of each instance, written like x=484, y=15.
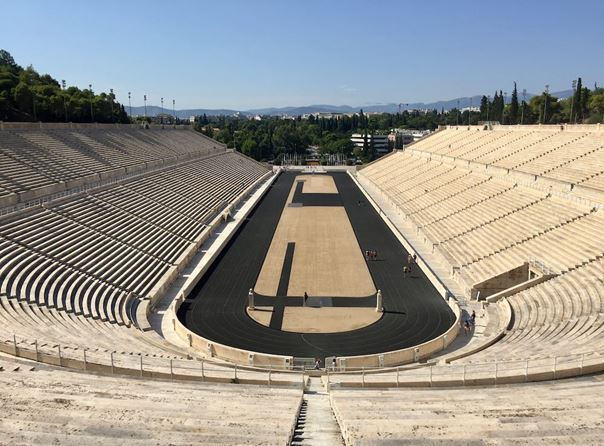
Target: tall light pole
x=145, y=99
x=505, y=98
x=91, y=112
x=130, y=104
x=523, y=105
x=161, y=117
x=63, y=86
x=111, y=98
x=174, y=110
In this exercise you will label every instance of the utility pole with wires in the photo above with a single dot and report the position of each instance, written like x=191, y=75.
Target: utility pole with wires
x=91, y=97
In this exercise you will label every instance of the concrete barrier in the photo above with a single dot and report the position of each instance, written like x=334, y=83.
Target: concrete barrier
x=111, y=367
x=505, y=321
x=406, y=355
x=40, y=192
x=520, y=287
x=228, y=353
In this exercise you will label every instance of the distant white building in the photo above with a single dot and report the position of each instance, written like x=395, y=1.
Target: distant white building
x=380, y=142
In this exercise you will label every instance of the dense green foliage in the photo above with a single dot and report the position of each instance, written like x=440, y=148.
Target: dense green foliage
x=271, y=137
x=585, y=106
x=26, y=95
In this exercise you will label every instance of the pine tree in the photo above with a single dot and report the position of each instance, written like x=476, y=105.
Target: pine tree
x=577, y=101
x=514, y=107
x=584, y=107
x=484, y=106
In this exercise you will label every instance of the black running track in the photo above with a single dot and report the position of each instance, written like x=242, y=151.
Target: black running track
x=216, y=308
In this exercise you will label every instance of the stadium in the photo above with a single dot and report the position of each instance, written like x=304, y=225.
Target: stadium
x=156, y=276
x=301, y=223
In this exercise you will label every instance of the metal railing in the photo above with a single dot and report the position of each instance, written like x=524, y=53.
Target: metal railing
x=496, y=372
x=137, y=364
x=182, y=369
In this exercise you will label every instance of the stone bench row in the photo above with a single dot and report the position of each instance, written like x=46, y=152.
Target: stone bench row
x=530, y=414
x=33, y=158
x=134, y=411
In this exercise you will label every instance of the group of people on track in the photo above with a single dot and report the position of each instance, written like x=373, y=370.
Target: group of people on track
x=371, y=254
x=408, y=268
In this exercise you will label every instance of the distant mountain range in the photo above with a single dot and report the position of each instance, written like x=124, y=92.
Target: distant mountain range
x=464, y=102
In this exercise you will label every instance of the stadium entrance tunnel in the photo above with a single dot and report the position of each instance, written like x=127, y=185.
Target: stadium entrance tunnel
x=310, y=234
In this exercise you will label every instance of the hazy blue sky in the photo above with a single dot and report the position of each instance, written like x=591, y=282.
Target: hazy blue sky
x=244, y=54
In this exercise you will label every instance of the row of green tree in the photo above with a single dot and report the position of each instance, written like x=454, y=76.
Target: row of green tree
x=584, y=106
x=271, y=137
x=26, y=95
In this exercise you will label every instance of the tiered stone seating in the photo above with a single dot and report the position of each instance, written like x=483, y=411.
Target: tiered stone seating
x=87, y=254
x=520, y=141
x=16, y=175
x=488, y=225
x=486, y=142
x=73, y=270
x=562, y=248
x=481, y=214
x=568, y=155
x=570, y=162
x=55, y=407
x=529, y=154
x=499, y=223
x=49, y=327
x=64, y=337
x=510, y=230
x=549, y=413
x=106, y=267
x=34, y=158
x=561, y=316
x=447, y=140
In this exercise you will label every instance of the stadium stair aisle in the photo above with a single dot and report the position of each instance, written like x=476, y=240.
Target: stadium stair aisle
x=316, y=423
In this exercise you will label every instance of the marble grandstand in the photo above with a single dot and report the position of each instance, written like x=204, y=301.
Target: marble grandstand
x=97, y=222
x=517, y=217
